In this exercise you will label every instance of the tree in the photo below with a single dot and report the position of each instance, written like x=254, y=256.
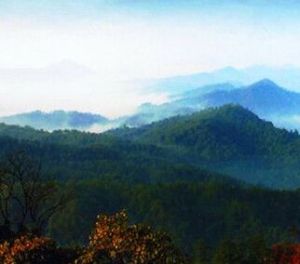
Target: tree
x=27, y=200
x=27, y=249
x=32, y=249
x=115, y=241
x=285, y=253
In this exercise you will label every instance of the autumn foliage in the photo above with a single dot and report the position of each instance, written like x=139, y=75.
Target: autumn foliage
x=115, y=240
x=112, y=241
x=27, y=249
x=286, y=254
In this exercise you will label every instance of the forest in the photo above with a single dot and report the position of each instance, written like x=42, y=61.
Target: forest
x=169, y=192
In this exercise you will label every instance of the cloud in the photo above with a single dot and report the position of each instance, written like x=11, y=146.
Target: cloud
x=68, y=86
x=121, y=40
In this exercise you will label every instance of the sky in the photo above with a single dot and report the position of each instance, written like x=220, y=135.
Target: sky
x=79, y=54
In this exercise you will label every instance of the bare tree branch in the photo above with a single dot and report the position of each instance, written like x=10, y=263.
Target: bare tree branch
x=27, y=200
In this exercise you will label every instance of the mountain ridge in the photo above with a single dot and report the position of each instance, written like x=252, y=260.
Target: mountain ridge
x=265, y=98
x=230, y=139
x=55, y=120
x=284, y=75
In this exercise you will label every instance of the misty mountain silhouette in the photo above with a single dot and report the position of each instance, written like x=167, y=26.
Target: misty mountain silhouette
x=265, y=98
x=55, y=120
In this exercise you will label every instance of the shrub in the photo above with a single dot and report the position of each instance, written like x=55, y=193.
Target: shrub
x=115, y=241
x=27, y=249
x=35, y=250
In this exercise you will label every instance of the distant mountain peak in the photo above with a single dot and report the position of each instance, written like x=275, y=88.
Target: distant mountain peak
x=264, y=83
x=267, y=81
x=228, y=69
x=68, y=66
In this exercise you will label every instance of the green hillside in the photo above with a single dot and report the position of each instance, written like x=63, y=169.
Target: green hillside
x=229, y=139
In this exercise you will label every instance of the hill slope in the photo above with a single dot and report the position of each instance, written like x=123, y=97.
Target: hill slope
x=230, y=139
x=75, y=155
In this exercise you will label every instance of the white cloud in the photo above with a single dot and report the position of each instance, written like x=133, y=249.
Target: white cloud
x=125, y=49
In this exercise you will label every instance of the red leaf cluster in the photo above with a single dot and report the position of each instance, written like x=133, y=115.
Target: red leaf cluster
x=286, y=254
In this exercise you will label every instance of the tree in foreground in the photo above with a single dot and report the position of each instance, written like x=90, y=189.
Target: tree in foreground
x=115, y=241
x=27, y=249
x=27, y=200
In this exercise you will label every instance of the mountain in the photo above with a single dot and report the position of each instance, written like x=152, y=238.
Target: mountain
x=71, y=155
x=155, y=172
x=182, y=104
x=230, y=126
x=207, y=89
x=264, y=98
x=229, y=139
x=286, y=76
x=177, y=84
x=67, y=69
x=56, y=120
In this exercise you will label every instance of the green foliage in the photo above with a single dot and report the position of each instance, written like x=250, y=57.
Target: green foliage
x=188, y=211
x=156, y=172
x=230, y=140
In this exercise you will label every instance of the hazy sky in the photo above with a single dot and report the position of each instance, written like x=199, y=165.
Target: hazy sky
x=100, y=42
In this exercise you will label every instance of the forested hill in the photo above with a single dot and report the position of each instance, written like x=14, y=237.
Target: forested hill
x=160, y=174
x=74, y=155
x=230, y=140
x=224, y=133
